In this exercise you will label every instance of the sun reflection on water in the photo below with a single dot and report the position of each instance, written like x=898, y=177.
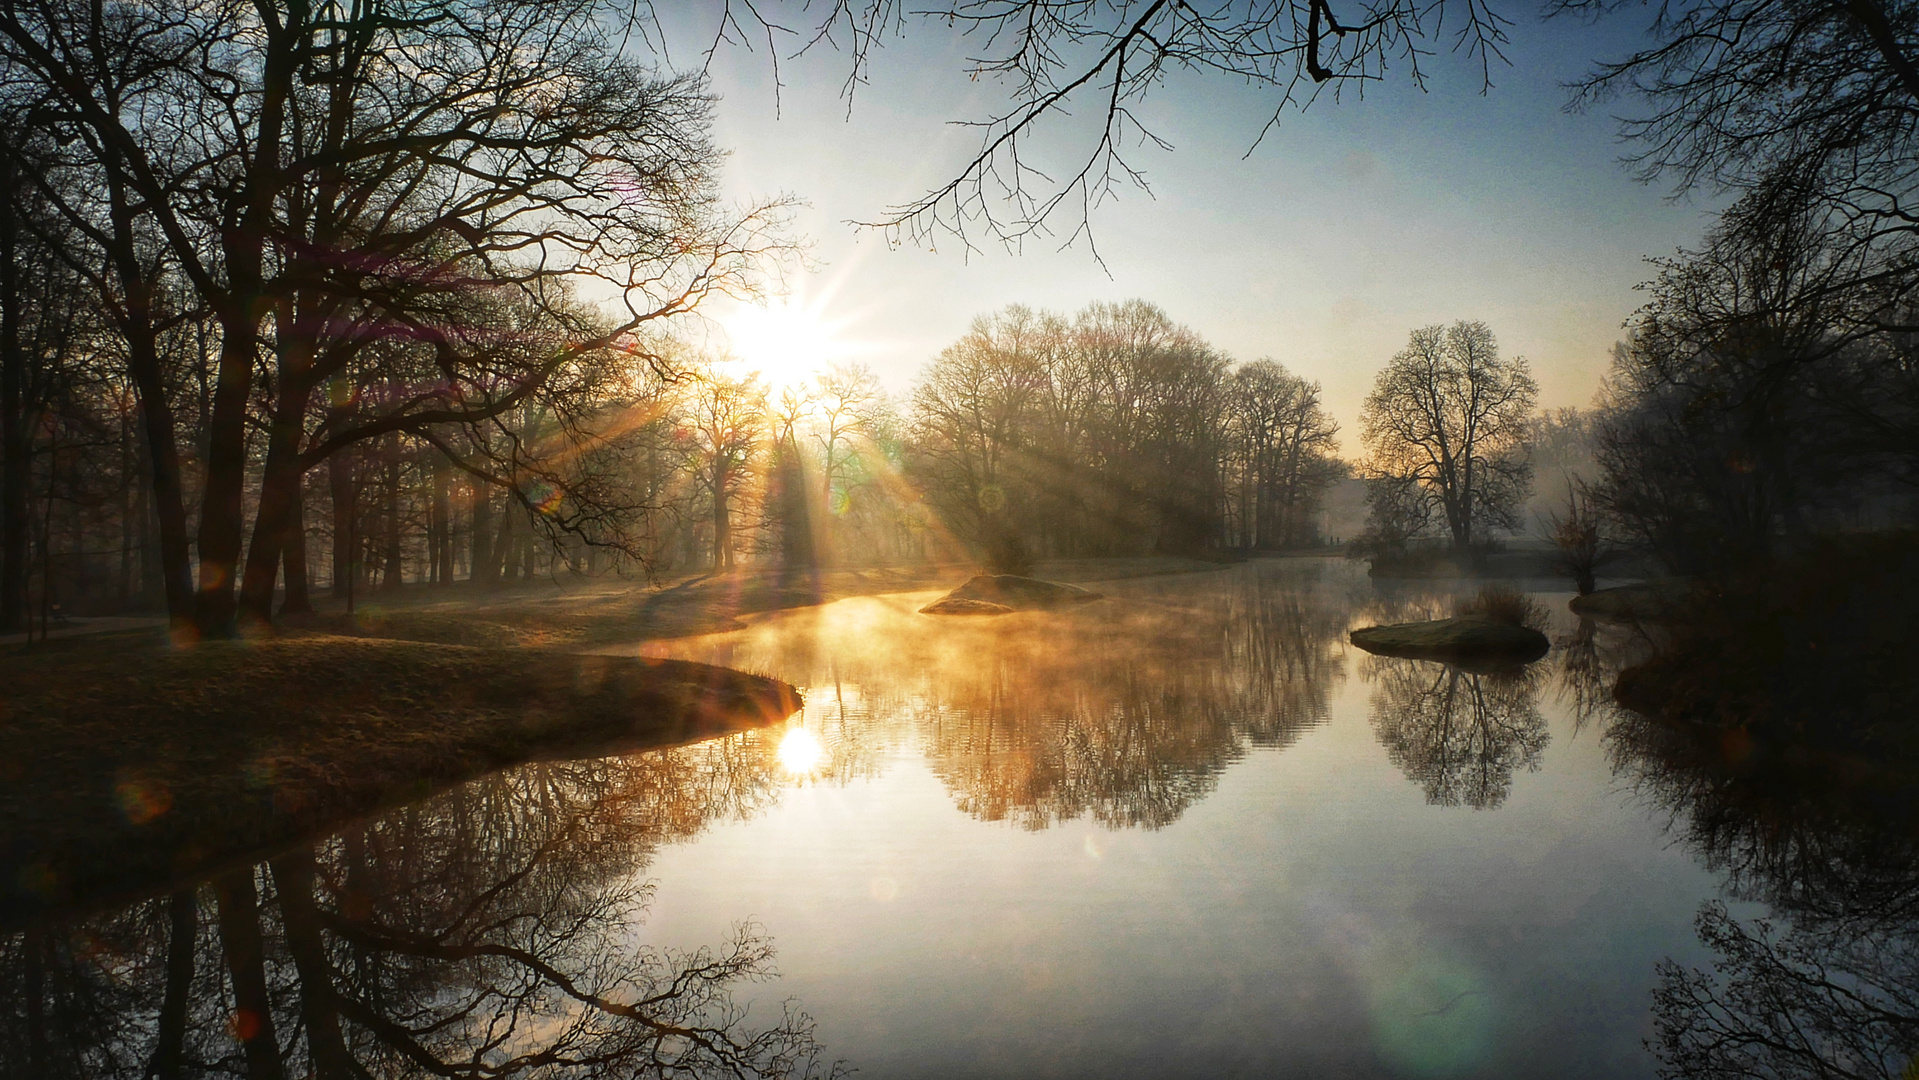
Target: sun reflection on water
x=800, y=751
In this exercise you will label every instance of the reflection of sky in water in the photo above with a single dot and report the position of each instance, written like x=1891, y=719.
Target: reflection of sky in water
x=1186, y=831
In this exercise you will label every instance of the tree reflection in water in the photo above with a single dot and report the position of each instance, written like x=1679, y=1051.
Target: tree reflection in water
x=1125, y=711
x=1131, y=720
x=1827, y=985
x=485, y=932
x=1459, y=734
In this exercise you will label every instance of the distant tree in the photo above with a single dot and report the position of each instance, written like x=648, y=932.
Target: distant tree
x=1282, y=443
x=1447, y=425
x=1100, y=434
x=848, y=404
x=971, y=419
x=726, y=421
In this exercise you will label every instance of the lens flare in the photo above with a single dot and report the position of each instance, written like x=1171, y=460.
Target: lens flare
x=800, y=751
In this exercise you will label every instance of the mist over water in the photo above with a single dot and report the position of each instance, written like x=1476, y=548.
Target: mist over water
x=1184, y=830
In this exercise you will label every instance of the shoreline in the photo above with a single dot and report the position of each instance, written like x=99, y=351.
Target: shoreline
x=133, y=772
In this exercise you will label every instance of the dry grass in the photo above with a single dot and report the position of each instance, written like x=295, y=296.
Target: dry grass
x=127, y=772
x=1502, y=604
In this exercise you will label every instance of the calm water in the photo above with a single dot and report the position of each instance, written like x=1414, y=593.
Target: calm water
x=1183, y=831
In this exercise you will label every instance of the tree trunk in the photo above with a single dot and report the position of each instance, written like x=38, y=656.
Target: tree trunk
x=340, y=485
x=393, y=570
x=440, y=523
x=152, y=586
x=293, y=879
x=13, y=429
x=722, y=522
x=127, y=512
x=163, y=458
x=169, y=1056
x=246, y=967
x=480, y=562
x=275, y=519
x=222, y=525
x=298, y=600
x=504, y=540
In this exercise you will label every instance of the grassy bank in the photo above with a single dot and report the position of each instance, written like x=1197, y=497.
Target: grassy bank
x=127, y=771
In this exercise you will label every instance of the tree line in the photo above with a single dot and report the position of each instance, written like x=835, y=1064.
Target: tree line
x=286, y=234
x=1115, y=431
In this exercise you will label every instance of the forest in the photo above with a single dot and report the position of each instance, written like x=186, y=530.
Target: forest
x=284, y=311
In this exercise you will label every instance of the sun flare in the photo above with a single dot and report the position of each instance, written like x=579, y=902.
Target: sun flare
x=786, y=340
x=800, y=751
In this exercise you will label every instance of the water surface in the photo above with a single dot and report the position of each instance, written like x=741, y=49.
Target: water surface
x=1186, y=830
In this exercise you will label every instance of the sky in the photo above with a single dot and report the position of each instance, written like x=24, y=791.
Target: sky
x=1346, y=228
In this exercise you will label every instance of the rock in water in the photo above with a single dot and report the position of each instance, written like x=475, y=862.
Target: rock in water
x=1465, y=638
x=960, y=605
x=1001, y=594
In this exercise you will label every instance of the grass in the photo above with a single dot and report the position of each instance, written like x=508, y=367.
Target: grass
x=129, y=772
x=1500, y=603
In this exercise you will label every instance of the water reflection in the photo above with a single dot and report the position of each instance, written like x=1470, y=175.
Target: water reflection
x=489, y=931
x=1819, y=835
x=1125, y=712
x=1458, y=734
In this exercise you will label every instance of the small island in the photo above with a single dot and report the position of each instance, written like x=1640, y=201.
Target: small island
x=1465, y=637
x=1003, y=594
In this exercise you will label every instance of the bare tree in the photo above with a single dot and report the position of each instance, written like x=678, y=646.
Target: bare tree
x=1577, y=533
x=1052, y=57
x=322, y=191
x=1460, y=735
x=726, y=423
x=1283, y=440
x=1448, y=421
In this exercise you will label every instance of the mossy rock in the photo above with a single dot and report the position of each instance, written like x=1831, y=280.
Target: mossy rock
x=1001, y=594
x=1465, y=638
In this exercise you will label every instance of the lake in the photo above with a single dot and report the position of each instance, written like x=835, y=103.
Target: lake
x=1185, y=830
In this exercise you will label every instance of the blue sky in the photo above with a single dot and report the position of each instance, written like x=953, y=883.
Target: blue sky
x=1347, y=227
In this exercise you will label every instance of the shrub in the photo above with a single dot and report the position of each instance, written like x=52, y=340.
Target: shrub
x=1006, y=553
x=1503, y=603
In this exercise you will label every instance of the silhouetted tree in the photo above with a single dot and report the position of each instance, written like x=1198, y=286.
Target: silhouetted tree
x=1447, y=424
x=725, y=418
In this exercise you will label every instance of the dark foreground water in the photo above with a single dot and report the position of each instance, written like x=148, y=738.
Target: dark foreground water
x=1186, y=831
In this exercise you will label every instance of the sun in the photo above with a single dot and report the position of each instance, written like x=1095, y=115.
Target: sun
x=800, y=751
x=786, y=340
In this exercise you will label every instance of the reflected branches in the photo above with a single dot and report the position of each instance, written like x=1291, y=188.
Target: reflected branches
x=1798, y=795
x=1459, y=734
x=488, y=931
x=1124, y=712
